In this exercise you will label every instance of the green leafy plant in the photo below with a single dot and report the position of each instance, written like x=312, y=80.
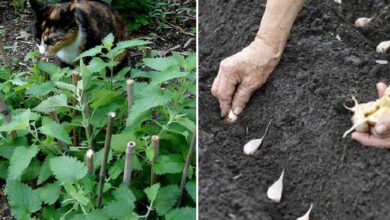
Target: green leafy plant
x=45, y=168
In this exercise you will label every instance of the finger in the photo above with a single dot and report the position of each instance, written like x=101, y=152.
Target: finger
x=214, y=88
x=371, y=140
x=242, y=96
x=382, y=127
x=381, y=87
x=226, y=88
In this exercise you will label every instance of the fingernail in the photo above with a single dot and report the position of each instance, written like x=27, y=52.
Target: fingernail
x=237, y=110
x=381, y=128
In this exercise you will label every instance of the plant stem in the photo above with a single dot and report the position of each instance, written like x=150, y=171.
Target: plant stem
x=4, y=110
x=107, y=144
x=156, y=148
x=86, y=116
x=185, y=170
x=89, y=157
x=4, y=54
x=75, y=79
x=54, y=117
x=130, y=93
x=128, y=163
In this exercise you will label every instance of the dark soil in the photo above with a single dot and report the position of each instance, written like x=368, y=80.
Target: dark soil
x=304, y=96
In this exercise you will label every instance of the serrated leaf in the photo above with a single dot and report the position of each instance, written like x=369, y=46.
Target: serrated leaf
x=19, y=122
x=40, y=90
x=119, y=141
x=168, y=164
x=23, y=200
x=124, y=194
x=20, y=160
x=52, y=129
x=186, y=213
x=161, y=63
x=151, y=192
x=96, y=65
x=66, y=86
x=50, y=68
x=50, y=193
x=3, y=169
x=191, y=189
x=45, y=171
x=190, y=125
x=91, y=52
x=166, y=199
x=6, y=151
x=108, y=41
x=54, y=102
x=119, y=210
x=67, y=169
x=94, y=215
x=130, y=43
x=168, y=75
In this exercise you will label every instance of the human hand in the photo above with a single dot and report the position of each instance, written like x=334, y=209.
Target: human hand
x=379, y=135
x=243, y=73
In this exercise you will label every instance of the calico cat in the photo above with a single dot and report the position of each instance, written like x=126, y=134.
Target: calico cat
x=67, y=29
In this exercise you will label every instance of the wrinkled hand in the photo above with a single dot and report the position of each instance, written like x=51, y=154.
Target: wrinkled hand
x=242, y=74
x=379, y=135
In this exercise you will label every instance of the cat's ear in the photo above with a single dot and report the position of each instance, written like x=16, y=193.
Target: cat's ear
x=36, y=6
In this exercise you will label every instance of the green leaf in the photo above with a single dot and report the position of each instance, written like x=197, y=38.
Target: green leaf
x=186, y=213
x=6, y=151
x=166, y=199
x=50, y=193
x=191, y=189
x=130, y=43
x=67, y=169
x=168, y=75
x=66, y=86
x=20, y=160
x=119, y=210
x=45, y=171
x=96, y=65
x=108, y=41
x=91, y=52
x=52, y=103
x=19, y=122
x=23, y=200
x=50, y=68
x=94, y=215
x=3, y=169
x=124, y=194
x=119, y=141
x=161, y=63
x=40, y=90
x=168, y=164
x=151, y=192
x=190, y=125
x=52, y=129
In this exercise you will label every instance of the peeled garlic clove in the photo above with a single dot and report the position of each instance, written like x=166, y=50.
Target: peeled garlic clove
x=231, y=117
x=307, y=215
x=382, y=62
x=251, y=147
x=383, y=47
x=338, y=1
x=362, y=22
x=275, y=190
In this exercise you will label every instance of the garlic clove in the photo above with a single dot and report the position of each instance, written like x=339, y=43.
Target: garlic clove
x=274, y=192
x=307, y=214
x=382, y=62
x=251, y=147
x=362, y=22
x=383, y=47
x=337, y=1
x=231, y=117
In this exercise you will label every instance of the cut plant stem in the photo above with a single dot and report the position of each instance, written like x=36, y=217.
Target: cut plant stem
x=4, y=110
x=75, y=79
x=156, y=148
x=4, y=54
x=274, y=192
x=106, y=151
x=54, y=117
x=128, y=163
x=89, y=158
x=251, y=147
x=185, y=170
x=130, y=94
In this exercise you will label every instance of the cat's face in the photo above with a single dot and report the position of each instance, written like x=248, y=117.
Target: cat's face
x=55, y=26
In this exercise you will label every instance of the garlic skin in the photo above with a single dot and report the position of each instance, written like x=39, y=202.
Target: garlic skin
x=274, y=192
x=306, y=216
x=362, y=22
x=251, y=147
x=231, y=117
x=383, y=47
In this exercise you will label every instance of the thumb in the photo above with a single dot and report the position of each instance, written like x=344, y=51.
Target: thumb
x=382, y=128
x=242, y=96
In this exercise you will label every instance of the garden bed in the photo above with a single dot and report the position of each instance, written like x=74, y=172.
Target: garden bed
x=304, y=96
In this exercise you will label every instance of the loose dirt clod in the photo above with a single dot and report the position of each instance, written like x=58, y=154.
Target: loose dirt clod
x=383, y=47
x=362, y=22
x=275, y=190
x=307, y=214
x=368, y=114
x=251, y=147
